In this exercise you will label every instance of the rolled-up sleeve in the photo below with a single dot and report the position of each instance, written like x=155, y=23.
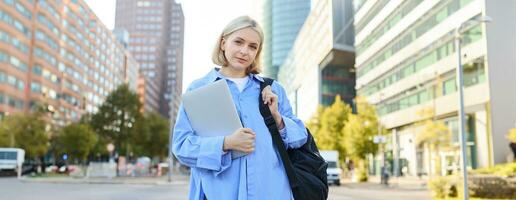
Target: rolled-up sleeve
x=294, y=134
x=195, y=151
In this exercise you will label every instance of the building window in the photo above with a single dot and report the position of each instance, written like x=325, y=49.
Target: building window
x=35, y=87
x=449, y=86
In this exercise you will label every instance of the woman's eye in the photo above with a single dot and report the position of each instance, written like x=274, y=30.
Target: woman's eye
x=253, y=47
x=238, y=42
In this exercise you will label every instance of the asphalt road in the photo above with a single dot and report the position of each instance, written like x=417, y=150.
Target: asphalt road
x=14, y=189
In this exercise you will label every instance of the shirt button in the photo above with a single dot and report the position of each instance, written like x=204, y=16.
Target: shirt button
x=245, y=116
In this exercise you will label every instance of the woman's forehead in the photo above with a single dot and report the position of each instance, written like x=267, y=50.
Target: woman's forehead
x=247, y=34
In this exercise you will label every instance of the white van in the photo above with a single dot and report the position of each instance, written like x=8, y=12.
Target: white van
x=11, y=159
x=334, y=171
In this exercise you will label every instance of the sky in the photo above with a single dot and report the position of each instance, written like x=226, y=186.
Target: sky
x=204, y=21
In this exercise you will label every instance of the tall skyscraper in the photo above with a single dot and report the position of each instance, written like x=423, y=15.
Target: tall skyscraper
x=156, y=34
x=320, y=65
x=407, y=62
x=281, y=21
x=59, y=55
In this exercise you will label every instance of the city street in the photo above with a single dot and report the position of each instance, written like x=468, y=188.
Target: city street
x=13, y=189
x=374, y=191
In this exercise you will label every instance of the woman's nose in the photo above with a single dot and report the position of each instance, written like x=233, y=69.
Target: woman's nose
x=244, y=50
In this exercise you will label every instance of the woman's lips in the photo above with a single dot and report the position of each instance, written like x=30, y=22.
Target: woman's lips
x=240, y=60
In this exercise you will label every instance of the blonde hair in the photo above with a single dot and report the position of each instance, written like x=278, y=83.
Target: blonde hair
x=237, y=24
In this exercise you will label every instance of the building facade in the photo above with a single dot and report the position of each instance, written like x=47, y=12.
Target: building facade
x=156, y=35
x=320, y=64
x=406, y=62
x=58, y=54
x=281, y=21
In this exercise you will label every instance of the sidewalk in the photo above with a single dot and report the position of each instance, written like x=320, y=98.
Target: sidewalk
x=398, y=183
x=163, y=180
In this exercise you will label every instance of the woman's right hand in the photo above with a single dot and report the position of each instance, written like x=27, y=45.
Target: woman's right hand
x=241, y=140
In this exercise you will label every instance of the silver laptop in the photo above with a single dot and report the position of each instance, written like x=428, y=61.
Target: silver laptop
x=211, y=111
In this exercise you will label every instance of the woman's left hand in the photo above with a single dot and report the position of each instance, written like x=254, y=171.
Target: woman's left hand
x=271, y=99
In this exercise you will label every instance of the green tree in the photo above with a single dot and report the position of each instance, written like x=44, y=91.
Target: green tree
x=6, y=136
x=151, y=136
x=314, y=123
x=28, y=132
x=435, y=136
x=358, y=135
x=332, y=121
x=115, y=120
x=512, y=135
x=77, y=140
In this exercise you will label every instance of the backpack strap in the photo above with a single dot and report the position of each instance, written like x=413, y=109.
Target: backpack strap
x=276, y=138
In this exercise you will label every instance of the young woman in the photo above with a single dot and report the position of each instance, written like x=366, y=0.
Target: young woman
x=260, y=174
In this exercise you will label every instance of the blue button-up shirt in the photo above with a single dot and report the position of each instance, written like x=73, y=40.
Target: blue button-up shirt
x=258, y=175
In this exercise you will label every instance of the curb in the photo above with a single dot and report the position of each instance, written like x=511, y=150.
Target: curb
x=102, y=181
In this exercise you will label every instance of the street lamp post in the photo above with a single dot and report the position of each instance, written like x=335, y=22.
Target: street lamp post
x=460, y=84
x=381, y=142
x=170, y=154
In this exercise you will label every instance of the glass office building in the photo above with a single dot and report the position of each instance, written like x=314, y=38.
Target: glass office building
x=320, y=64
x=281, y=21
x=406, y=62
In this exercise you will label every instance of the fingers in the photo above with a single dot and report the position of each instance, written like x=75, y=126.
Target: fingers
x=249, y=147
x=268, y=97
x=248, y=131
x=247, y=140
x=248, y=150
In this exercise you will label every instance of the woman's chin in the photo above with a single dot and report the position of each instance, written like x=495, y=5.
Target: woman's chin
x=239, y=66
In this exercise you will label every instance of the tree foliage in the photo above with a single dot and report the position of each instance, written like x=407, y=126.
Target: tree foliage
x=116, y=118
x=435, y=135
x=314, y=124
x=512, y=135
x=28, y=132
x=151, y=136
x=360, y=130
x=336, y=128
x=330, y=123
x=77, y=140
x=6, y=137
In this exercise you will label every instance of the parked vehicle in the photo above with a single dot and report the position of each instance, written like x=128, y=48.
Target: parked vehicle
x=11, y=160
x=334, y=171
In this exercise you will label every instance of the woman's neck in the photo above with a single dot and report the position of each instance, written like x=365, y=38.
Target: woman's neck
x=232, y=73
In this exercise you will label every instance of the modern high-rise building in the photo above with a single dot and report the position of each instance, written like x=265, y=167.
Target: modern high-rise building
x=58, y=54
x=320, y=64
x=281, y=21
x=406, y=62
x=156, y=35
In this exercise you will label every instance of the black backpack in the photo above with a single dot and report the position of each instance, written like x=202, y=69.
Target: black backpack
x=305, y=167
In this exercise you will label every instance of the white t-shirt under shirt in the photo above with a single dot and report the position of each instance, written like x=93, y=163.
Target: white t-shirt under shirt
x=240, y=82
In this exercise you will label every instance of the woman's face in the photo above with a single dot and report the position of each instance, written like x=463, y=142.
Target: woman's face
x=240, y=48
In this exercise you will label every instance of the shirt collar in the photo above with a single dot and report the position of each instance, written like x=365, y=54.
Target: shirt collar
x=215, y=75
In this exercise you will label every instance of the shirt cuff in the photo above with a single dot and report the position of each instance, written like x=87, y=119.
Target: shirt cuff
x=211, y=156
x=293, y=136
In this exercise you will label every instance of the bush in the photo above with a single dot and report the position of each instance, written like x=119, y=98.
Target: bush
x=505, y=170
x=443, y=186
x=362, y=175
x=481, y=186
x=490, y=186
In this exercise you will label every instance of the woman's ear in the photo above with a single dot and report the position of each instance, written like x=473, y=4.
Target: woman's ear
x=222, y=44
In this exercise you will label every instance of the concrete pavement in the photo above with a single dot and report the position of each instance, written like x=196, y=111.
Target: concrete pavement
x=160, y=188
x=163, y=180
x=14, y=189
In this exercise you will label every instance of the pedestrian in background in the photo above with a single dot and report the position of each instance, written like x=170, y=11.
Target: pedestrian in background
x=260, y=174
